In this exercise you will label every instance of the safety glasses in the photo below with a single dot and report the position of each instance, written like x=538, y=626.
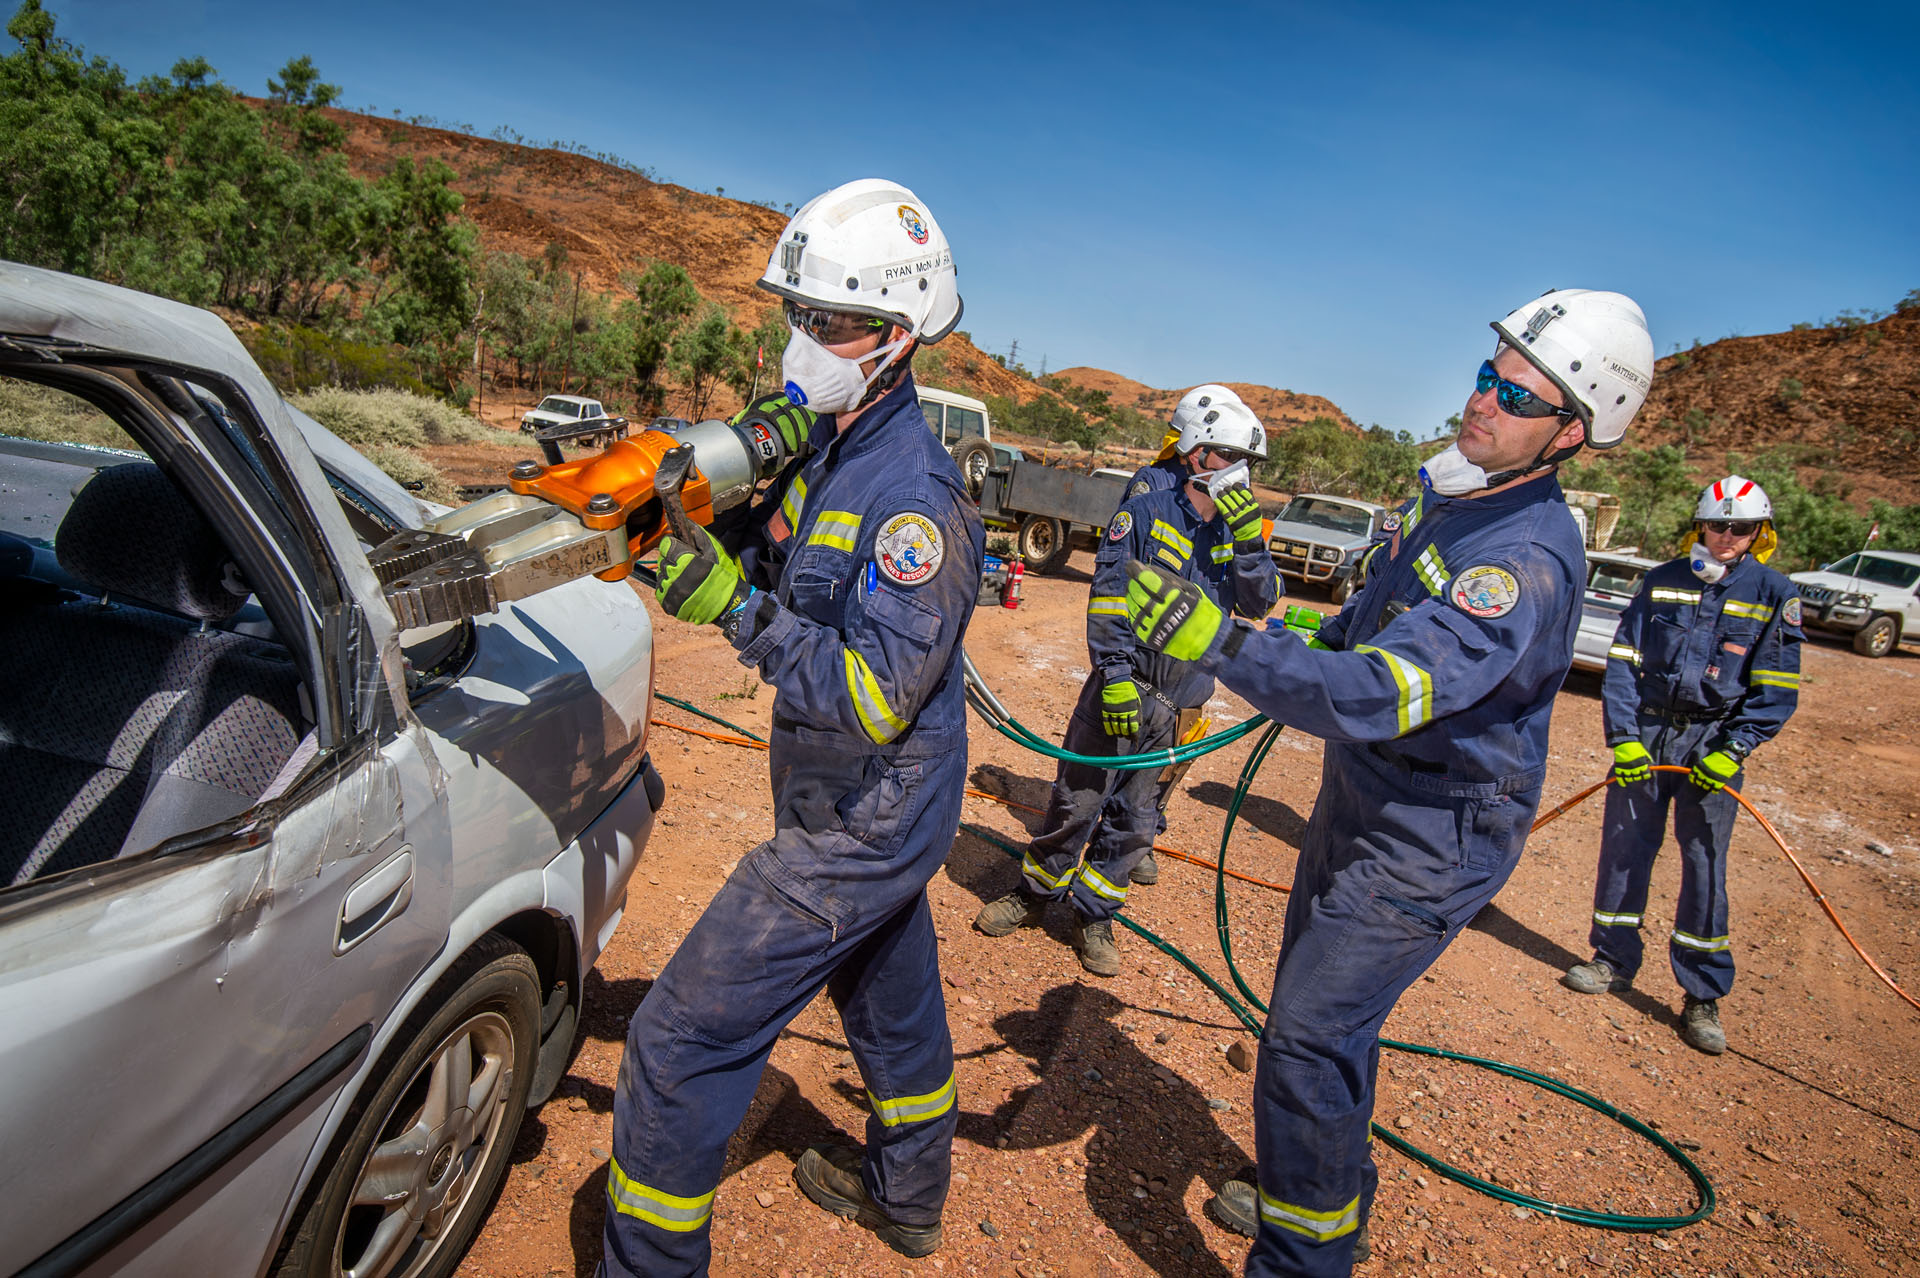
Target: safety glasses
x=1737, y=527
x=1515, y=400
x=831, y=328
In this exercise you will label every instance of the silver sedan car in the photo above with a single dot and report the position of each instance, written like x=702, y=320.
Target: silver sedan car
x=295, y=908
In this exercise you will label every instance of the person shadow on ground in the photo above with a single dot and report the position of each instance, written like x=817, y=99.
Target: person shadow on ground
x=1153, y=1131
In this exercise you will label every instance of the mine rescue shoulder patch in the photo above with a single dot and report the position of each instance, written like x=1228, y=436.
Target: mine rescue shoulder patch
x=1790, y=613
x=908, y=549
x=1121, y=526
x=1139, y=486
x=1485, y=591
x=1391, y=523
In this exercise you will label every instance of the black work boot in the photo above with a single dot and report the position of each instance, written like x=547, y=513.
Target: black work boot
x=1238, y=1208
x=1018, y=908
x=1700, y=1026
x=1595, y=976
x=1147, y=872
x=1094, y=941
x=830, y=1175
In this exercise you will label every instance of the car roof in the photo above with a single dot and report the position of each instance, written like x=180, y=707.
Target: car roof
x=571, y=399
x=951, y=397
x=1620, y=557
x=1345, y=501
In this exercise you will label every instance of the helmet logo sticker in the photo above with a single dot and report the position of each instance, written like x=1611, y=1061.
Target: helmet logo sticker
x=1122, y=525
x=908, y=549
x=1486, y=591
x=915, y=224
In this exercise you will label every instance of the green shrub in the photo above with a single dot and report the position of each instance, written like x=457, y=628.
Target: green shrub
x=1790, y=389
x=415, y=473
x=370, y=419
x=28, y=411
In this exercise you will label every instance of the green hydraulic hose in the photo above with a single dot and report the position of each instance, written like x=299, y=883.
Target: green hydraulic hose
x=990, y=707
x=690, y=708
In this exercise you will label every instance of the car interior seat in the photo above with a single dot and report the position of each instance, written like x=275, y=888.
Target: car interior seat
x=128, y=717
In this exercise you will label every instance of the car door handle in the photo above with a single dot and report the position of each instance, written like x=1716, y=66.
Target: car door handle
x=377, y=899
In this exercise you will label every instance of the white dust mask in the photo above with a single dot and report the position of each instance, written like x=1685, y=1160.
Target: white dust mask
x=1449, y=473
x=828, y=383
x=1704, y=565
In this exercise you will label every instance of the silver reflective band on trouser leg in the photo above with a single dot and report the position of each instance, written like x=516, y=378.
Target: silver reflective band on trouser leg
x=915, y=1109
x=1101, y=885
x=668, y=1211
x=1616, y=920
x=1321, y=1226
x=1626, y=652
x=1708, y=944
x=1032, y=869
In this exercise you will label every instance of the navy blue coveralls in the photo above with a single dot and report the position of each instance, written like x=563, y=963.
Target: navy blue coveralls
x=874, y=560
x=1434, y=707
x=1118, y=809
x=1157, y=477
x=1693, y=668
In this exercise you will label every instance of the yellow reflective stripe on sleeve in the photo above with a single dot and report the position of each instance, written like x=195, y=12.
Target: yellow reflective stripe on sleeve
x=1626, y=652
x=837, y=528
x=794, y=502
x=1101, y=884
x=1107, y=606
x=915, y=1109
x=1321, y=1226
x=1432, y=570
x=1666, y=594
x=1166, y=532
x=1031, y=868
x=1776, y=679
x=1416, y=688
x=668, y=1211
x=1741, y=608
x=1709, y=944
x=876, y=716
x=1221, y=554
x=1616, y=920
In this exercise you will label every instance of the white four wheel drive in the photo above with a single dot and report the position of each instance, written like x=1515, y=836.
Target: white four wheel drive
x=1873, y=596
x=561, y=410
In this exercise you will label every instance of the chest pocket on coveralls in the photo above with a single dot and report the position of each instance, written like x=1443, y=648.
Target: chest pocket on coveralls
x=817, y=584
x=1732, y=652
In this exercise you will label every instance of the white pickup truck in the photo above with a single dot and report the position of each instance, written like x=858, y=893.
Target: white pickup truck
x=1873, y=596
x=561, y=410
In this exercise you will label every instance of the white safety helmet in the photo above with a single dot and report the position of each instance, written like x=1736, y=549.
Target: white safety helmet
x=871, y=248
x=1595, y=347
x=1212, y=416
x=1735, y=498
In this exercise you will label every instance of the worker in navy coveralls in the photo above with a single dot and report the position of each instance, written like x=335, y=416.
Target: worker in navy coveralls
x=1433, y=688
x=1134, y=699
x=851, y=603
x=1165, y=473
x=1704, y=667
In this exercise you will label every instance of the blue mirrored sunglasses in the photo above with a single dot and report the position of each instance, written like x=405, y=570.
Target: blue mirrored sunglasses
x=1514, y=399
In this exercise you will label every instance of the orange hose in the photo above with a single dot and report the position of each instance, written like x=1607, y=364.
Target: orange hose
x=1819, y=896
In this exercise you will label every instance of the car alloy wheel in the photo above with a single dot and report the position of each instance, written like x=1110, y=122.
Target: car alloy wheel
x=405, y=1192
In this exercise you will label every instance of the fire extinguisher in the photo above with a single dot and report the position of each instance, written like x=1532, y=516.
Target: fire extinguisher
x=1010, y=591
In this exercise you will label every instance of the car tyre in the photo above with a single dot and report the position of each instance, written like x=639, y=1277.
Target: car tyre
x=1043, y=543
x=974, y=456
x=1342, y=590
x=1878, y=637
x=409, y=1181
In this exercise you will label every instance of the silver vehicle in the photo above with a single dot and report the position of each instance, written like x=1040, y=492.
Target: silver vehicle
x=295, y=909
x=1872, y=597
x=1613, y=579
x=1320, y=538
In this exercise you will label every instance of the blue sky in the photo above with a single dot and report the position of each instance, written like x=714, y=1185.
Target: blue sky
x=1333, y=198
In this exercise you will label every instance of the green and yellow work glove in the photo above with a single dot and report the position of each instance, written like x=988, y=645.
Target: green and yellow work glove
x=1714, y=771
x=1120, y=708
x=1170, y=614
x=1242, y=514
x=1631, y=763
x=699, y=582
x=784, y=417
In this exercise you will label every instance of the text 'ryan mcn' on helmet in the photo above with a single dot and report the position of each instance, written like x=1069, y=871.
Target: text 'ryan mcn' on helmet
x=1593, y=346
x=1214, y=417
x=869, y=247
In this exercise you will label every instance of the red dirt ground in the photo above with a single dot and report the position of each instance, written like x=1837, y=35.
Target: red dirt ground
x=1097, y=1115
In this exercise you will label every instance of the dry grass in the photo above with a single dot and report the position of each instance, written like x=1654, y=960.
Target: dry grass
x=370, y=419
x=28, y=411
